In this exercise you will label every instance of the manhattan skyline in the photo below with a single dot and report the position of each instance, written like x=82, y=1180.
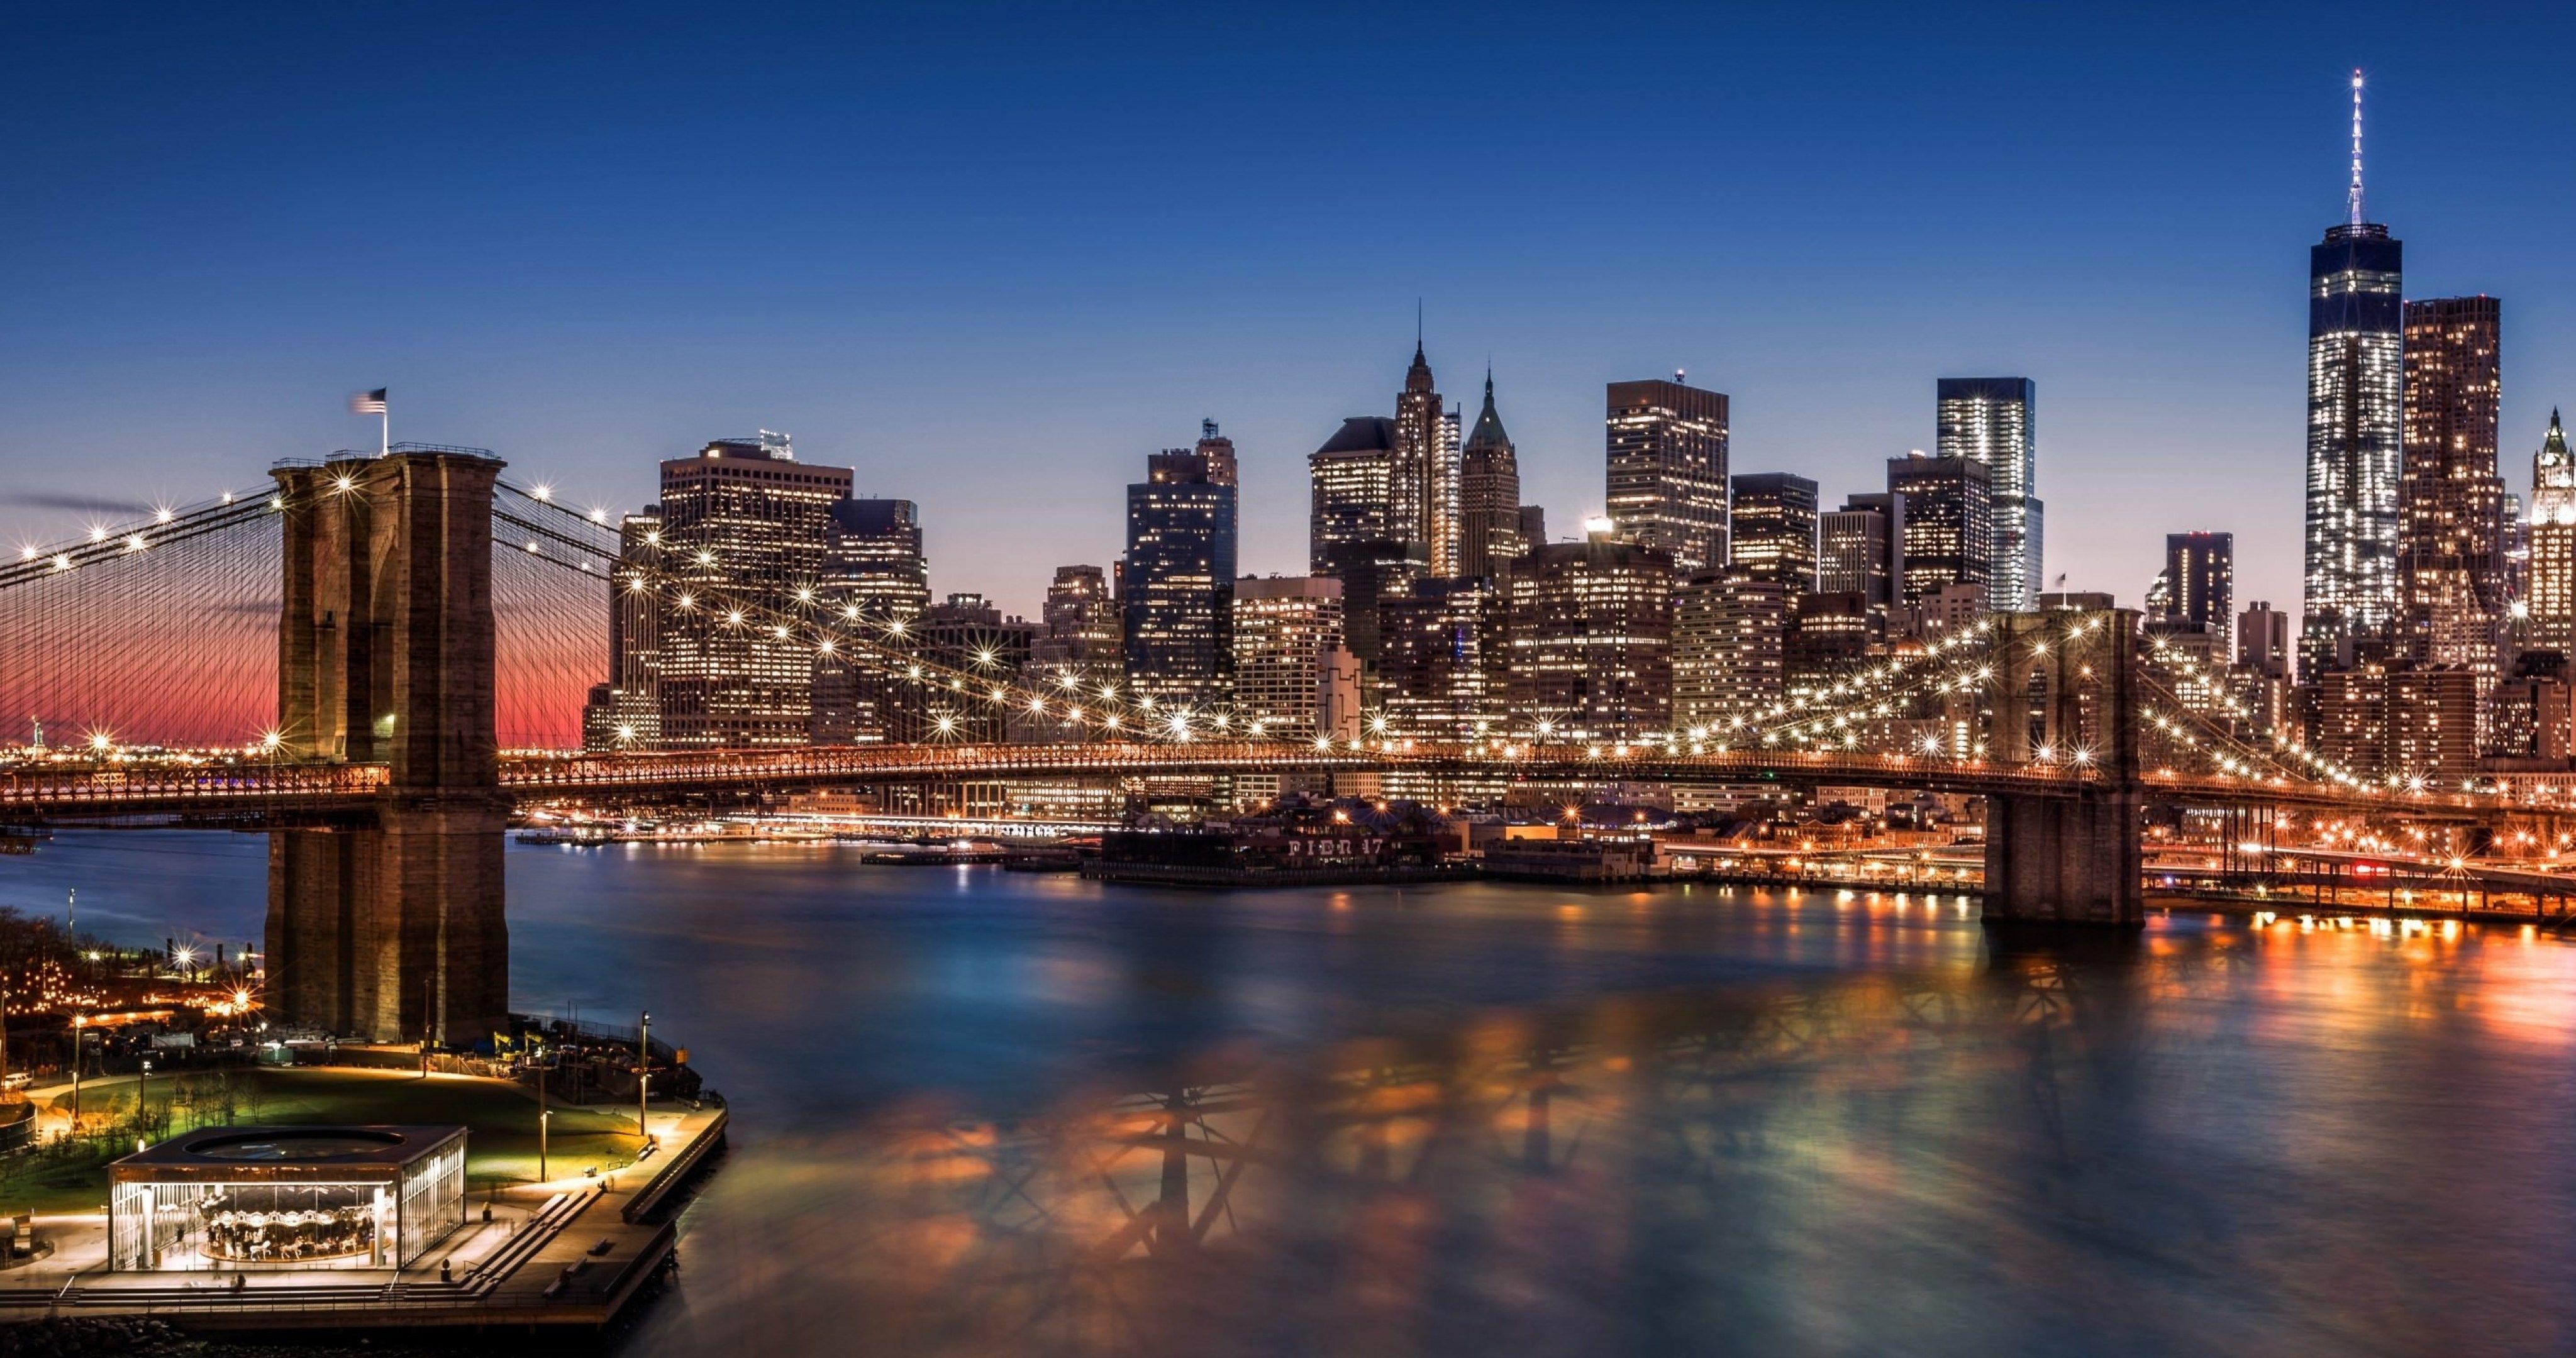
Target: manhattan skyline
x=996, y=314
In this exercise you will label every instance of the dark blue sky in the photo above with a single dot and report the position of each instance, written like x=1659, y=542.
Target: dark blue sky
x=994, y=256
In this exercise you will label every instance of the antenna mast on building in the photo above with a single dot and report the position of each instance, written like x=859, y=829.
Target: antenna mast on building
x=2356, y=147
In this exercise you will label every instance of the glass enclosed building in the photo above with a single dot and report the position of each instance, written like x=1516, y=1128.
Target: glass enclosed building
x=232, y=1198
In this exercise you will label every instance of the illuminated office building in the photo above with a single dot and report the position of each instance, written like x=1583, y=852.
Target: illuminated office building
x=1991, y=421
x=1489, y=497
x=1729, y=628
x=2356, y=383
x=1443, y=662
x=876, y=584
x=2198, y=586
x=1860, y=549
x=1287, y=632
x=1352, y=480
x=1080, y=639
x=1949, y=532
x=1422, y=501
x=1178, y=582
x=745, y=522
x=1284, y=627
x=626, y=712
x=2450, y=565
x=1667, y=470
x=1772, y=529
x=1591, y=640
x=2551, y=594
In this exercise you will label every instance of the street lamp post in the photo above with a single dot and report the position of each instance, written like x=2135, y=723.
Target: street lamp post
x=80, y=1035
x=545, y=1115
x=143, y=1097
x=643, y=1078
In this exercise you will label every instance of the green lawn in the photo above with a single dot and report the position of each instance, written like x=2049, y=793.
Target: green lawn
x=501, y=1148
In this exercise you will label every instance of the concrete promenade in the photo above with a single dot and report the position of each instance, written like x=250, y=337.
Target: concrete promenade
x=573, y=1252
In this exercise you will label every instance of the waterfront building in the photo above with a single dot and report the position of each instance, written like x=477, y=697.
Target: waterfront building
x=1948, y=533
x=1489, y=497
x=1861, y=550
x=2356, y=382
x=1772, y=529
x=1352, y=480
x=1591, y=640
x=2451, y=565
x=1667, y=470
x=1991, y=421
x=2551, y=596
x=1729, y=630
x=876, y=585
x=1178, y=581
x=745, y=522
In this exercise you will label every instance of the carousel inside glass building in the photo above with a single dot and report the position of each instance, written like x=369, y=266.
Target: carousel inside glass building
x=235, y=1198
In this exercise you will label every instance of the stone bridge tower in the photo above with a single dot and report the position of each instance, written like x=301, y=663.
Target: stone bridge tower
x=391, y=929
x=2065, y=691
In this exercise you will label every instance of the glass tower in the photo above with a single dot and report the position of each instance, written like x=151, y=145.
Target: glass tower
x=1991, y=420
x=2356, y=398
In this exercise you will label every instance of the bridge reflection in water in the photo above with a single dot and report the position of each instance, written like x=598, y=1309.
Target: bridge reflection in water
x=1982, y=1160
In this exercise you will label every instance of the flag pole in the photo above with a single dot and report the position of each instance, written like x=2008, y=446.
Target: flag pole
x=385, y=427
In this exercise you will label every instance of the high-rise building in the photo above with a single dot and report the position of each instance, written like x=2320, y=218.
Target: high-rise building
x=1861, y=550
x=1353, y=480
x=1948, y=531
x=1423, y=504
x=967, y=631
x=2550, y=596
x=1218, y=451
x=1178, y=582
x=2450, y=565
x=1533, y=527
x=876, y=583
x=1489, y=497
x=1371, y=572
x=1284, y=628
x=1667, y=470
x=1080, y=638
x=2198, y=585
x=1729, y=628
x=1772, y=529
x=2263, y=640
x=1990, y=420
x=1443, y=664
x=626, y=712
x=1829, y=637
x=1287, y=635
x=2416, y=726
x=1591, y=640
x=743, y=521
x=2356, y=382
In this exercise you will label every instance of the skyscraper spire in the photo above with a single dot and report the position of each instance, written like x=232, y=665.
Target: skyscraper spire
x=2356, y=146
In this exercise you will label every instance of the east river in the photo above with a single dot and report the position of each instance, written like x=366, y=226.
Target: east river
x=980, y=1112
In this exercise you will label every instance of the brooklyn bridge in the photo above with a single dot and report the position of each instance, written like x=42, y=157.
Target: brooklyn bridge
x=373, y=659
